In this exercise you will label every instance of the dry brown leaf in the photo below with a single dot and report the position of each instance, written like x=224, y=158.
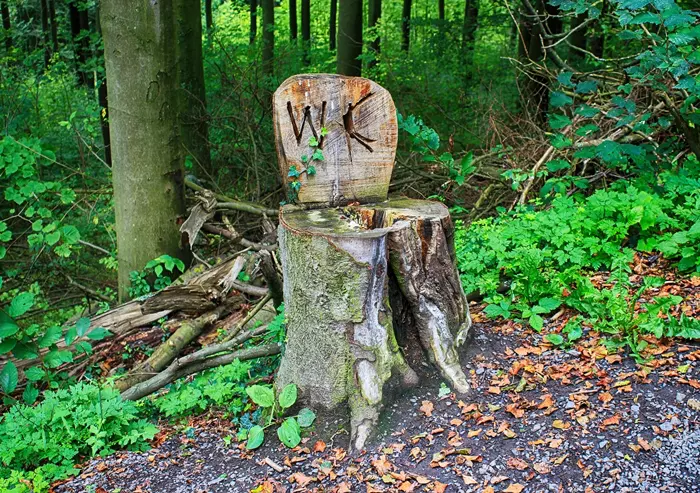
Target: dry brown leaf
x=605, y=397
x=516, y=463
x=612, y=420
x=343, y=488
x=382, y=466
x=514, y=488
x=439, y=487
x=301, y=479
x=407, y=487
x=515, y=410
x=542, y=467
x=561, y=425
x=498, y=479
x=427, y=408
x=644, y=444
x=319, y=446
x=469, y=480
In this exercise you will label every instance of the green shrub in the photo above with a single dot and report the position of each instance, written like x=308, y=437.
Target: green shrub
x=68, y=426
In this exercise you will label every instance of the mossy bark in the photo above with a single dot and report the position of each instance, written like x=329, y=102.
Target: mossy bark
x=341, y=340
x=143, y=76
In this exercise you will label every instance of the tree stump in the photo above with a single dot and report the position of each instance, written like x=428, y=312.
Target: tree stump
x=364, y=280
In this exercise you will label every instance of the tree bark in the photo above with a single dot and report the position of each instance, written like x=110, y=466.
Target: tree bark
x=406, y=25
x=45, y=30
x=333, y=25
x=6, y=23
x=102, y=101
x=54, y=26
x=146, y=143
x=268, y=51
x=253, y=20
x=469, y=26
x=441, y=10
x=350, y=38
x=339, y=265
x=306, y=30
x=375, y=13
x=208, y=15
x=192, y=95
x=293, y=19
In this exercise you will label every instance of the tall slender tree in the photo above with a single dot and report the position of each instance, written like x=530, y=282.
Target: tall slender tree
x=293, y=29
x=441, y=10
x=102, y=101
x=469, y=26
x=375, y=13
x=406, y=24
x=143, y=58
x=54, y=25
x=44, y=6
x=306, y=29
x=208, y=15
x=6, y=23
x=350, y=38
x=253, y=20
x=80, y=29
x=333, y=25
x=192, y=97
x=268, y=52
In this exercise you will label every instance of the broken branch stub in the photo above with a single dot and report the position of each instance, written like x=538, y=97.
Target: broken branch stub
x=336, y=139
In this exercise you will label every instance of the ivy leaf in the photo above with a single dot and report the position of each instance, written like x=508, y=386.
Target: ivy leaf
x=564, y=78
x=288, y=396
x=311, y=170
x=9, y=377
x=256, y=435
x=318, y=155
x=289, y=433
x=313, y=142
x=586, y=111
x=293, y=172
x=21, y=304
x=262, y=396
x=586, y=87
x=306, y=417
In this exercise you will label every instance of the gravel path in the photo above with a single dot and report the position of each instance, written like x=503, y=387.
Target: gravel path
x=538, y=419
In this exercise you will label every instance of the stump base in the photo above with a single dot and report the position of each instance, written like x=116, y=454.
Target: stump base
x=341, y=340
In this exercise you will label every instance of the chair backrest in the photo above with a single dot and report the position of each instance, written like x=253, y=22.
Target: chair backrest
x=336, y=139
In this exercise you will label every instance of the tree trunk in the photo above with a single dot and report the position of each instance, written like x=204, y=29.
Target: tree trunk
x=375, y=13
x=333, y=25
x=6, y=23
x=339, y=269
x=45, y=30
x=145, y=135
x=268, y=52
x=192, y=95
x=350, y=38
x=293, y=19
x=306, y=30
x=469, y=26
x=54, y=26
x=253, y=20
x=406, y=25
x=102, y=101
x=441, y=10
x=208, y=15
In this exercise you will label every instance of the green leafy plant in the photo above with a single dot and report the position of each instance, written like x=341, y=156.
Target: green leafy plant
x=289, y=432
x=68, y=426
x=308, y=160
x=153, y=277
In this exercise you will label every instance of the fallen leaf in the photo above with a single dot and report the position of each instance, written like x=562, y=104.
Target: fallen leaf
x=498, y=479
x=319, y=446
x=516, y=463
x=561, y=425
x=382, y=466
x=542, y=467
x=514, y=488
x=644, y=444
x=439, y=487
x=605, y=397
x=515, y=410
x=301, y=479
x=469, y=479
x=612, y=420
x=427, y=408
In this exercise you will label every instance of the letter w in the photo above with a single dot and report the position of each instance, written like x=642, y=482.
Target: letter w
x=307, y=116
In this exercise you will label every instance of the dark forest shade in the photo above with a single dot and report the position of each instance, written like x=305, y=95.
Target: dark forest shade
x=293, y=19
x=333, y=25
x=441, y=10
x=253, y=20
x=208, y=14
x=45, y=30
x=578, y=37
x=268, y=52
x=6, y=23
x=471, y=19
x=306, y=29
x=350, y=37
x=375, y=12
x=406, y=24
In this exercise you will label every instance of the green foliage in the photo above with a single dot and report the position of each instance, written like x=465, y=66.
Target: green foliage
x=153, y=277
x=543, y=257
x=70, y=425
x=289, y=432
x=222, y=387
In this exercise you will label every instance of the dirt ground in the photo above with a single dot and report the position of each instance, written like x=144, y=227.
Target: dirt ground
x=539, y=419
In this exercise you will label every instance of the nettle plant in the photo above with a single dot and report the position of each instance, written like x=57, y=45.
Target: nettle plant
x=289, y=432
x=309, y=168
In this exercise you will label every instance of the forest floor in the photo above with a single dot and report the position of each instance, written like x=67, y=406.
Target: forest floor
x=539, y=418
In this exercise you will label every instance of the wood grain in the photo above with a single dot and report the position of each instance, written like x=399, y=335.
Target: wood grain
x=359, y=148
